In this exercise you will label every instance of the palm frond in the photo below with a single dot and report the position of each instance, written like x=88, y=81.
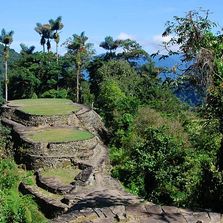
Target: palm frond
x=11, y=33
x=3, y=32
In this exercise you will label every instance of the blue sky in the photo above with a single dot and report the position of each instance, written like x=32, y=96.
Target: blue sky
x=142, y=20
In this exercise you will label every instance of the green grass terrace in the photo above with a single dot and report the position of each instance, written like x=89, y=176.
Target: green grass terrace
x=58, y=135
x=65, y=174
x=45, y=106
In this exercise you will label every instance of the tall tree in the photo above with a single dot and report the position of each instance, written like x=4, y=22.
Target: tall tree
x=56, y=25
x=204, y=50
x=6, y=39
x=193, y=36
x=110, y=44
x=39, y=29
x=46, y=34
x=131, y=50
x=81, y=52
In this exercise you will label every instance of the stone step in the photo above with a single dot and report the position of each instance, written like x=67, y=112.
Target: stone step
x=12, y=124
x=141, y=213
x=50, y=204
x=53, y=184
x=81, y=177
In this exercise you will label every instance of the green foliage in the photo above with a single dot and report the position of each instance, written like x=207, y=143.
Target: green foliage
x=109, y=44
x=52, y=93
x=109, y=97
x=4, y=137
x=13, y=56
x=163, y=159
x=23, y=83
x=130, y=49
x=37, y=74
x=153, y=144
x=14, y=207
x=151, y=166
x=116, y=106
x=80, y=52
x=86, y=96
x=8, y=177
x=119, y=71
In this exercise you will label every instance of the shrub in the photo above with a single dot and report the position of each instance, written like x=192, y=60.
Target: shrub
x=52, y=93
x=15, y=207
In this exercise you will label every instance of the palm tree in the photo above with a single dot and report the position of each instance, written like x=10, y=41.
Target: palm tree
x=6, y=39
x=45, y=33
x=82, y=52
x=39, y=29
x=25, y=50
x=56, y=25
x=48, y=34
x=110, y=44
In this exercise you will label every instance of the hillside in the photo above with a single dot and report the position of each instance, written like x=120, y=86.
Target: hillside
x=91, y=195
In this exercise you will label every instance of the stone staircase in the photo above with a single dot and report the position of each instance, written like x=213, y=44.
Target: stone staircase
x=92, y=196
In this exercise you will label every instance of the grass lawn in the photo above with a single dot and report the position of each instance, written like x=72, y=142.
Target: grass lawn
x=58, y=135
x=45, y=106
x=65, y=175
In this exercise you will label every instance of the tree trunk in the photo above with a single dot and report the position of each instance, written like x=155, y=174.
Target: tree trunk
x=43, y=48
x=6, y=81
x=78, y=84
x=57, y=55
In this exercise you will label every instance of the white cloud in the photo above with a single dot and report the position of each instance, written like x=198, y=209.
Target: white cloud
x=123, y=36
x=159, y=39
x=155, y=43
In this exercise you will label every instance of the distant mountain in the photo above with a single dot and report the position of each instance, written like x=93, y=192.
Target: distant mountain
x=168, y=62
x=185, y=92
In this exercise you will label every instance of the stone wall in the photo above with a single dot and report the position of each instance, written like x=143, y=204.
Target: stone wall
x=48, y=206
x=43, y=120
x=58, y=148
x=93, y=123
x=71, y=148
x=36, y=155
x=34, y=162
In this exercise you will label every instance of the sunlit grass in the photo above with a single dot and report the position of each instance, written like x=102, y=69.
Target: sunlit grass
x=65, y=175
x=45, y=106
x=58, y=135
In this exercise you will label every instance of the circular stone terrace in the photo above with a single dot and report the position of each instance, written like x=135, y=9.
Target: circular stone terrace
x=42, y=112
x=45, y=106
